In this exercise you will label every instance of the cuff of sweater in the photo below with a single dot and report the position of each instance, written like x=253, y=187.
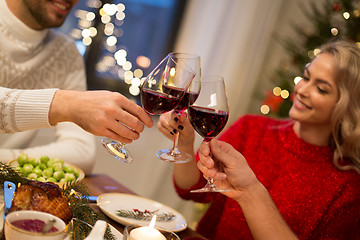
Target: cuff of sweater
x=32, y=109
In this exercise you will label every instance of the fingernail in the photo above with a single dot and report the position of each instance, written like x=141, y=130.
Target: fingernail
x=176, y=119
x=180, y=127
x=171, y=133
x=174, y=131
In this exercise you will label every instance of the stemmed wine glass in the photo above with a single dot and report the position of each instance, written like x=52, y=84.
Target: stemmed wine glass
x=209, y=114
x=166, y=85
x=192, y=61
x=161, y=91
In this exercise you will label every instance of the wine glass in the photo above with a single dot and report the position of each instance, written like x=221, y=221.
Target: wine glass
x=161, y=91
x=208, y=115
x=166, y=85
x=193, y=61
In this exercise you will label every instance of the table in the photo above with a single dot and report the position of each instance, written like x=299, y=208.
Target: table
x=101, y=183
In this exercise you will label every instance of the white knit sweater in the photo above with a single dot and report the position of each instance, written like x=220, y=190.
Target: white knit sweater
x=33, y=65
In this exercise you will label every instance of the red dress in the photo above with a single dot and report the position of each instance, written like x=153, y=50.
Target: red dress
x=317, y=200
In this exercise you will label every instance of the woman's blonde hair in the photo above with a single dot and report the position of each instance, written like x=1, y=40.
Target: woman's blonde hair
x=346, y=115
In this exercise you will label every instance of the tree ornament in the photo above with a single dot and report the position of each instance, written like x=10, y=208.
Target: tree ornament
x=336, y=7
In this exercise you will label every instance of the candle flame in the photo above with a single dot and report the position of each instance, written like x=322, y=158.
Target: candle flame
x=152, y=222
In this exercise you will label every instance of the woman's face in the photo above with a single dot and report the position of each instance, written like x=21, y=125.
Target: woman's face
x=316, y=94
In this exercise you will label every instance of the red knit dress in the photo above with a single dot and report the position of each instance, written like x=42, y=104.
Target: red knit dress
x=317, y=200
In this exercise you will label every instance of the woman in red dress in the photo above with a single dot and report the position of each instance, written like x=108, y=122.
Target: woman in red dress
x=288, y=179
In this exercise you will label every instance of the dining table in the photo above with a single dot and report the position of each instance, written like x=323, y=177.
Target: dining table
x=101, y=183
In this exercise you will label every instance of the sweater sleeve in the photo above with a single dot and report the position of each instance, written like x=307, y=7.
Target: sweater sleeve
x=23, y=110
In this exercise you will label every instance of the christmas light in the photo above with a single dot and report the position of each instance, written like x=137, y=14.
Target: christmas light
x=138, y=73
x=264, y=109
x=346, y=15
x=87, y=41
x=285, y=94
x=90, y=16
x=134, y=90
x=120, y=16
x=85, y=33
x=297, y=79
x=317, y=51
x=120, y=7
x=93, y=31
x=127, y=65
x=334, y=31
x=111, y=41
x=276, y=91
x=143, y=61
x=135, y=82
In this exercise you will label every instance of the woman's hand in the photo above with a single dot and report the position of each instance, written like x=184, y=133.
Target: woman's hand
x=227, y=167
x=171, y=123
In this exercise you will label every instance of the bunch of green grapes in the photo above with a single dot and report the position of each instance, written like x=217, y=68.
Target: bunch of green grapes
x=45, y=169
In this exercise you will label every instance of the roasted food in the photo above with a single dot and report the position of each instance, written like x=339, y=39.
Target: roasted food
x=44, y=197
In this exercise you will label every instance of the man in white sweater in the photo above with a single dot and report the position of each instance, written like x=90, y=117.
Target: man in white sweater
x=35, y=62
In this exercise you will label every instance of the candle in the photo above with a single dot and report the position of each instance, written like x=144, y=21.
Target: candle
x=147, y=233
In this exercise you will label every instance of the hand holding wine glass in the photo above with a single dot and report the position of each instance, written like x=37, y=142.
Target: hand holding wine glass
x=209, y=114
x=193, y=62
x=161, y=91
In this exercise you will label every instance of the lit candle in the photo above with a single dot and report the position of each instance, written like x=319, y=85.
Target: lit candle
x=147, y=233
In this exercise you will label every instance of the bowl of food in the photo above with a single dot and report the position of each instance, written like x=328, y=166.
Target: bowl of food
x=33, y=225
x=47, y=169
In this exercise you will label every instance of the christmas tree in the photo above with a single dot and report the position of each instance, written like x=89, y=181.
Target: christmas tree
x=333, y=20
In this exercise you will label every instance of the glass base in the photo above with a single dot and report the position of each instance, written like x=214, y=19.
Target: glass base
x=117, y=149
x=173, y=155
x=209, y=187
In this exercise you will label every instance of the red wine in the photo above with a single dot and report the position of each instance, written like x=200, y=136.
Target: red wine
x=157, y=102
x=188, y=98
x=207, y=122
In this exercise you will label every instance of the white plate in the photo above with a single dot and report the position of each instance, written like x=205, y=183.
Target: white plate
x=109, y=203
x=118, y=235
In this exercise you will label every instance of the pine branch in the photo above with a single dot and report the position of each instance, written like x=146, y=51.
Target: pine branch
x=145, y=215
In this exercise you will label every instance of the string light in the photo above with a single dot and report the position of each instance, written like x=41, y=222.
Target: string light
x=297, y=79
x=115, y=62
x=265, y=109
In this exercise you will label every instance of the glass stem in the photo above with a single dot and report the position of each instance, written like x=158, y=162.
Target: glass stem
x=174, y=149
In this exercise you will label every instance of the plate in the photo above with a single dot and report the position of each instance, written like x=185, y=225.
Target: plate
x=117, y=234
x=109, y=203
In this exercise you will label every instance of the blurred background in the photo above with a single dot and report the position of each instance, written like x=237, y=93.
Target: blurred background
x=259, y=46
